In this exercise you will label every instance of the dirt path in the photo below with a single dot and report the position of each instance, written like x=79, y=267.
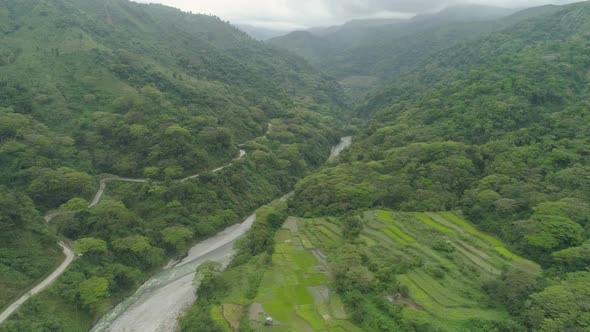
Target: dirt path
x=157, y=304
x=69, y=253
x=43, y=284
x=345, y=142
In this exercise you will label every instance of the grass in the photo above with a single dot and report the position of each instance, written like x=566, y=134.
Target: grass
x=392, y=231
x=384, y=215
x=342, y=326
x=428, y=221
x=443, y=294
x=452, y=298
x=327, y=232
x=448, y=311
x=217, y=315
x=444, y=287
x=232, y=313
x=309, y=313
x=292, y=291
x=469, y=228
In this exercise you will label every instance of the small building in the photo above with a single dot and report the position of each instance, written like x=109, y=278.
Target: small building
x=268, y=321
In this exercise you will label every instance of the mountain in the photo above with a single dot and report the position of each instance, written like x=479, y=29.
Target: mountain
x=260, y=33
x=467, y=169
x=366, y=56
x=94, y=90
x=465, y=13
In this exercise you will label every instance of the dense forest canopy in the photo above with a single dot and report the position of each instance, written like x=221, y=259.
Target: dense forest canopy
x=462, y=205
x=496, y=127
x=367, y=55
x=96, y=89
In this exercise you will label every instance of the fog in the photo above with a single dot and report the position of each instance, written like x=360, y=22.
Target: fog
x=297, y=14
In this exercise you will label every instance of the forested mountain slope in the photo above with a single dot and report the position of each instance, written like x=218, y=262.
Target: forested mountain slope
x=497, y=128
x=111, y=86
x=364, y=60
x=93, y=87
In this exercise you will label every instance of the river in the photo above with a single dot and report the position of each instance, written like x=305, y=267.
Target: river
x=156, y=305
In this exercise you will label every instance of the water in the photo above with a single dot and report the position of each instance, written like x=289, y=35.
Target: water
x=156, y=305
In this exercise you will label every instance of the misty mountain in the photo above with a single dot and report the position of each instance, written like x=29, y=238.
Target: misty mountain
x=463, y=203
x=260, y=33
x=361, y=54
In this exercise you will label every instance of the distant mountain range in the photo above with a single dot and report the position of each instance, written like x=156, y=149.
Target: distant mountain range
x=261, y=33
x=364, y=54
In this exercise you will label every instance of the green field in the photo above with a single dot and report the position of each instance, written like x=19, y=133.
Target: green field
x=443, y=287
x=447, y=285
x=294, y=290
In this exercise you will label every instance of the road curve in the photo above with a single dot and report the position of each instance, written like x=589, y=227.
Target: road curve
x=219, y=248
x=157, y=304
x=44, y=284
x=68, y=252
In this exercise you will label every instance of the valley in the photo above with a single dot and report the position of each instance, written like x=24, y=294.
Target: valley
x=159, y=301
x=162, y=170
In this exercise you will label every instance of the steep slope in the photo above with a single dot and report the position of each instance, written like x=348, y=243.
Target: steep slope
x=497, y=128
x=146, y=91
x=122, y=79
x=381, y=53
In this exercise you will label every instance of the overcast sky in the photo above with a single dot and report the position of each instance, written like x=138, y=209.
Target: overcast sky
x=294, y=14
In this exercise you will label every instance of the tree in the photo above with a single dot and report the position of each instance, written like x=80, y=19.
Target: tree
x=512, y=289
x=349, y=272
x=135, y=243
x=210, y=281
x=554, y=231
x=74, y=204
x=90, y=246
x=177, y=236
x=93, y=290
x=574, y=258
x=562, y=307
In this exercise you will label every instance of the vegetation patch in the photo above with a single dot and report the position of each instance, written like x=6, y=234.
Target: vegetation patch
x=232, y=313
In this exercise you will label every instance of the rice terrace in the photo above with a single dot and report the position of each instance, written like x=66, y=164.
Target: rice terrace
x=443, y=261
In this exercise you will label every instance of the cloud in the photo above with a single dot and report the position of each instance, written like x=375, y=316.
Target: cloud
x=294, y=14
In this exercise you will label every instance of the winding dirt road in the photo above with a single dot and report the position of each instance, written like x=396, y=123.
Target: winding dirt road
x=69, y=253
x=157, y=303
x=44, y=284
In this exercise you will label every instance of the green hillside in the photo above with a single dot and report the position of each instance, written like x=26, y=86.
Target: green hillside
x=496, y=128
x=379, y=270
x=463, y=203
x=366, y=58
x=90, y=88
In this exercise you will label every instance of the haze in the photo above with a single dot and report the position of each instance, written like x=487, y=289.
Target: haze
x=296, y=14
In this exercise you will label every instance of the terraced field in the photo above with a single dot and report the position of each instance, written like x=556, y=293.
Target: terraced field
x=294, y=291
x=456, y=259
x=443, y=288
